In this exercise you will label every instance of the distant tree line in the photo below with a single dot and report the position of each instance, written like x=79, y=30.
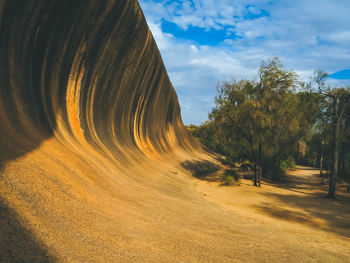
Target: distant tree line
x=275, y=121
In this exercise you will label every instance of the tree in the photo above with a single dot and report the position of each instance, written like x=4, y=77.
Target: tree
x=264, y=114
x=276, y=88
x=339, y=100
x=238, y=119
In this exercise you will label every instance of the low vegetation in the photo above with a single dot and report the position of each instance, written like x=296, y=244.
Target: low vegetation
x=230, y=177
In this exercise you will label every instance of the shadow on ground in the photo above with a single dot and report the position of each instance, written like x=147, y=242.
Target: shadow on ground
x=297, y=187
x=310, y=184
x=315, y=211
x=305, y=202
x=203, y=170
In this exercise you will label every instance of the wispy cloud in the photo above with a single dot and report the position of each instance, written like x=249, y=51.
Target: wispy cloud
x=203, y=42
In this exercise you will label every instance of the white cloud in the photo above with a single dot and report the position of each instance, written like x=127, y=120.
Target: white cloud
x=339, y=36
x=305, y=34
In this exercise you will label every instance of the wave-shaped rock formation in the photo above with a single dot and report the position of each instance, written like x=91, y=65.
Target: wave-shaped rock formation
x=94, y=158
x=88, y=119
x=89, y=73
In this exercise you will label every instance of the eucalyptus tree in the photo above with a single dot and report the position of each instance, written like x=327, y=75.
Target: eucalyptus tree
x=263, y=113
x=339, y=98
x=276, y=88
x=238, y=119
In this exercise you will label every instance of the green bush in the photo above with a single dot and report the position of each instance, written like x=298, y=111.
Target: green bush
x=231, y=177
x=288, y=164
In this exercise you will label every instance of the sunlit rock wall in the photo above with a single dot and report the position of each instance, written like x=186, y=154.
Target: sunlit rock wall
x=87, y=72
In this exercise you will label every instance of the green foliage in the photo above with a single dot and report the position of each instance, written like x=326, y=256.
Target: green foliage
x=262, y=120
x=321, y=144
x=230, y=177
x=287, y=164
x=275, y=120
x=206, y=134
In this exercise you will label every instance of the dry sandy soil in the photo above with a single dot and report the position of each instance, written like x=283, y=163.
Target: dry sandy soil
x=161, y=213
x=296, y=209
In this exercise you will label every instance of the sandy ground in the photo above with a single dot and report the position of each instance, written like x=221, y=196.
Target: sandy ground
x=297, y=208
x=156, y=211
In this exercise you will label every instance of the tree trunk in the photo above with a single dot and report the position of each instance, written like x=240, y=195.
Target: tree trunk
x=260, y=176
x=333, y=179
x=321, y=168
x=260, y=165
x=255, y=176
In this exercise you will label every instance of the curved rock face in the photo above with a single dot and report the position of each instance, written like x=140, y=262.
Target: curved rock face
x=86, y=72
x=88, y=122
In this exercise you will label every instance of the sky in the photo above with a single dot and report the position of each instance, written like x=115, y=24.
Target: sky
x=206, y=41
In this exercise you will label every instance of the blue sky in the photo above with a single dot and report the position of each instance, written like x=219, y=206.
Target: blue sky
x=206, y=41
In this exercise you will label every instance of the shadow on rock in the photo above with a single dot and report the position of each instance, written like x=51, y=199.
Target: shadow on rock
x=17, y=244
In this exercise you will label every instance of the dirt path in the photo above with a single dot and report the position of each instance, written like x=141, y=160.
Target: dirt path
x=297, y=207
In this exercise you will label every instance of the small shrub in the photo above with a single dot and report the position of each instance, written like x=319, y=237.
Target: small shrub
x=287, y=164
x=284, y=165
x=231, y=177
